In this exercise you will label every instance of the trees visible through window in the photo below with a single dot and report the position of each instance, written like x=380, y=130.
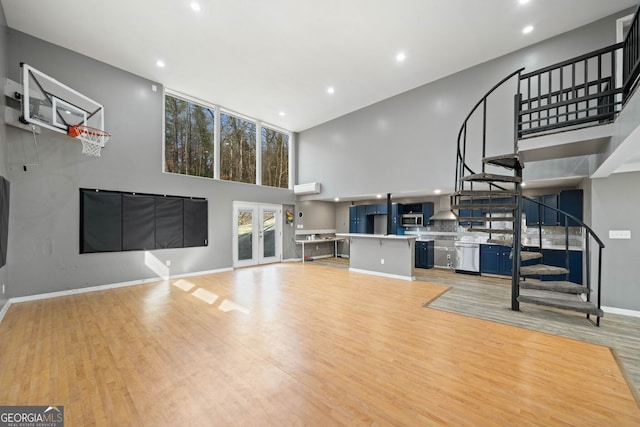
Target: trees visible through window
x=237, y=149
x=275, y=158
x=190, y=145
x=189, y=138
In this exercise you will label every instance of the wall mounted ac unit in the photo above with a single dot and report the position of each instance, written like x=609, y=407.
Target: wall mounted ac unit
x=310, y=188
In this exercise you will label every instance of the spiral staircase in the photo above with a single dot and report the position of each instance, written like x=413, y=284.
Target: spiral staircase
x=567, y=96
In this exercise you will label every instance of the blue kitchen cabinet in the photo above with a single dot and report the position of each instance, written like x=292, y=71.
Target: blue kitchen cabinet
x=494, y=259
x=427, y=212
x=471, y=213
x=549, y=216
x=558, y=258
x=358, y=219
x=376, y=209
x=412, y=208
x=424, y=254
x=571, y=201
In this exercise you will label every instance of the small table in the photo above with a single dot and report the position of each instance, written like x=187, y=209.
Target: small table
x=335, y=241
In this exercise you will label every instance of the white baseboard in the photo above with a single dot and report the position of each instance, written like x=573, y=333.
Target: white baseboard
x=4, y=310
x=622, y=311
x=108, y=286
x=377, y=273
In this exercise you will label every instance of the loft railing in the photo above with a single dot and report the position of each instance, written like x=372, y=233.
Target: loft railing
x=631, y=56
x=571, y=93
x=586, y=254
x=581, y=91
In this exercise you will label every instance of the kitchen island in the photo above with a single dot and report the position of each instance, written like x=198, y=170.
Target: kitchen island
x=383, y=255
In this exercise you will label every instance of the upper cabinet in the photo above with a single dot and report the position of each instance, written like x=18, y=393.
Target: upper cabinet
x=570, y=201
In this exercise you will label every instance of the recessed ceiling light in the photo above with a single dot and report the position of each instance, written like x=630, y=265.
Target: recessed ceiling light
x=523, y=1
x=527, y=29
x=438, y=191
x=331, y=90
x=195, y=6
x=160, y=63
x=282, y=114
x=337, y=199
x=400, y=57
x=379, y=196
x=523, y=184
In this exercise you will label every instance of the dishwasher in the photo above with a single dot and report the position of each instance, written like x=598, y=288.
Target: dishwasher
x=467, y=258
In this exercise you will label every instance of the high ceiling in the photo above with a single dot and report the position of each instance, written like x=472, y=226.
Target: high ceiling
x=274, y=60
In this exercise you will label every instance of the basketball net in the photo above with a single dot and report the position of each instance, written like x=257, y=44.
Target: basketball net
x=93, y=139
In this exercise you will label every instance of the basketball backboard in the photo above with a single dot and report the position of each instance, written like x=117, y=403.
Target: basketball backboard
x=56, y=106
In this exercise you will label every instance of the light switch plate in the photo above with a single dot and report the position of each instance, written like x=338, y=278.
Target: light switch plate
x=620, y=234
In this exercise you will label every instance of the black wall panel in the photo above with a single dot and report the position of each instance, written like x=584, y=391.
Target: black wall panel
x=4, y=219
x=114, y=221
x=138, y=222
x=101, y=221
x=196, y=232
x=169, y=222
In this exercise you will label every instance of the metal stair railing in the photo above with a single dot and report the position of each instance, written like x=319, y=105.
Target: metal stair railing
x=587, y=249
x=461, y=161
x=631, y=56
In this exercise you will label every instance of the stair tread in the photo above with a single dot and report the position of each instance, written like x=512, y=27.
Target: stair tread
x=491, y=230
x=485, y=193
x=498, y=207
x=503, y=242
x=527, y=256
x=509, y=161
x=556, y=286
x=487, y=218
x=542, y=270
x=575, y=305
x=489, y=177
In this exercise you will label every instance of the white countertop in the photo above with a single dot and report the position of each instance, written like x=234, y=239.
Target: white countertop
x=322, y=239
x=377, y=236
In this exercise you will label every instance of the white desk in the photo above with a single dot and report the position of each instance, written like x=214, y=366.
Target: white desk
x=335, y=241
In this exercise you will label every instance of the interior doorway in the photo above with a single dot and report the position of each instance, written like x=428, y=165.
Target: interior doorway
x=257, y=233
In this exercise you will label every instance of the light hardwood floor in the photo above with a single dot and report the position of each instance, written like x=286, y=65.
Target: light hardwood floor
x=294, y=344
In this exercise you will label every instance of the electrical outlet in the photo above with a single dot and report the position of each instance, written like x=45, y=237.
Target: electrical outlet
x=381, y=260
x=448, y=256
x=168, y=262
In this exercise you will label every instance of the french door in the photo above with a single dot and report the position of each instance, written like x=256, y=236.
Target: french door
x=257, y=234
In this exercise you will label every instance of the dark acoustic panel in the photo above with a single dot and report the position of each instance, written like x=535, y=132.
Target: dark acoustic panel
x=4, y=219
x=100, y=221
x=169, y=222
x=138, y=222
x=195, y=223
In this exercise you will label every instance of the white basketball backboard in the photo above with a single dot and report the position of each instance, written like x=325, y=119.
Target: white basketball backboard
x=56, y=106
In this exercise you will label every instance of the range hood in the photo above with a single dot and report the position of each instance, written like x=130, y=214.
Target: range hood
x=444, y=210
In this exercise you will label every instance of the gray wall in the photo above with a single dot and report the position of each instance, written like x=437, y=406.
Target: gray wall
x=44, y=222
x=615, y=207
x=4, y=277
x=408, y=142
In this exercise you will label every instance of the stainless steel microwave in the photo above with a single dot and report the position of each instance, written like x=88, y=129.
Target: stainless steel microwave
x=412, y=220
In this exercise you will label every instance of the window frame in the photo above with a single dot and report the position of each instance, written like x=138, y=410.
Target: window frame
x=218, y=111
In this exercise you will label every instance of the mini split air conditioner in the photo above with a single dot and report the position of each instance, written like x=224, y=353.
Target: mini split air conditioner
x=310, y=188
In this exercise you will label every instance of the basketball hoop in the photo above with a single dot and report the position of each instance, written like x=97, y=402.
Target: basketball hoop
x=93, y=139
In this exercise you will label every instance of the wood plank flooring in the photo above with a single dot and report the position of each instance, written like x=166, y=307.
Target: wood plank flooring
x=297, y=344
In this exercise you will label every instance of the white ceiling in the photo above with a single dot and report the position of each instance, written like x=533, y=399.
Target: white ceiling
x=263, y=57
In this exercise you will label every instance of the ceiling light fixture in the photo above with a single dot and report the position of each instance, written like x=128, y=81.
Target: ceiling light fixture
x=438, y=191
x=523, y=1
x=400, y=57
x=337, y=199
x=331, y=90
x=195, y=6
x=527, y=29
x=523, y=184
x=160, y=63
x=282, y=114
x=379, y=196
